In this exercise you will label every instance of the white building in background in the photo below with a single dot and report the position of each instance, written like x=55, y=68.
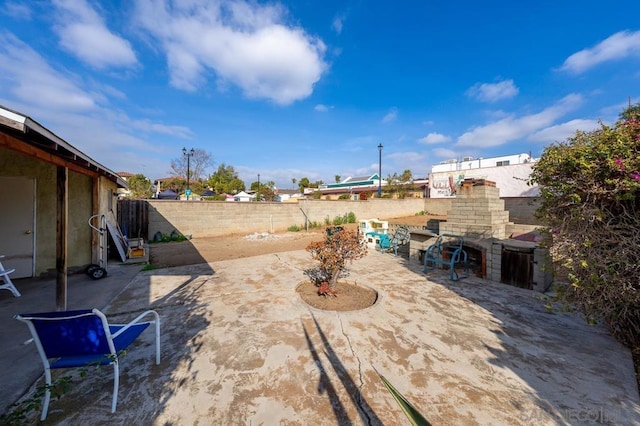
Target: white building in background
x=509, y=172
x=241, y=197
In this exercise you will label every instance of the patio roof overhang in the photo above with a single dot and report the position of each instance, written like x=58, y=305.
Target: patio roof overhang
x=25, y=135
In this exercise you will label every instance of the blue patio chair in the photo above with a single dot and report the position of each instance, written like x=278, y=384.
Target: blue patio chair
x=400, y=237
x=68, y=339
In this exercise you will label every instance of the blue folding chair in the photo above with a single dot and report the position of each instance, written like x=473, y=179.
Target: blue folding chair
x=68, y=339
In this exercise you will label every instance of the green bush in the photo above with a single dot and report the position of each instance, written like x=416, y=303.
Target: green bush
x=294, y=228
x=590, y=199
x=164, y=238
x=351, y=217
x=344, y=197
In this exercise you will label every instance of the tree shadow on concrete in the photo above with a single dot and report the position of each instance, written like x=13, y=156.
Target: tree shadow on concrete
x=366, y=413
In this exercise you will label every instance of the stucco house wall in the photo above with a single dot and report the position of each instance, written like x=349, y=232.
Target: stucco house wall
x=79, y=252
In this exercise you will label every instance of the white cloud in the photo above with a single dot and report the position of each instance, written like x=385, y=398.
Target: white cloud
x=445, y=153
x=338, y=23
x=245, y=44
x=322, y=108
x=17, y=10
x=83, y=33
x=618, y=46
x=390, y=116
x=493, y=92
x=79, y=112
x=561, y=132
x=512, y=128
x=32, y=80
x=433, y=138
x=400, y=161
x=159, y=128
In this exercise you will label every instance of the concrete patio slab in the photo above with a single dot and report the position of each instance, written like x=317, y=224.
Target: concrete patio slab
x=240, y=347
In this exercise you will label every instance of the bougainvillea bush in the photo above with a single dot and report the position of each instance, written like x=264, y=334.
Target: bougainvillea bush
x=590, y=202
x=334, y=252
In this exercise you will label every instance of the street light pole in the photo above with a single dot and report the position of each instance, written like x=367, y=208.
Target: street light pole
x=258, y=191
x=188, y=154
x=380, y=170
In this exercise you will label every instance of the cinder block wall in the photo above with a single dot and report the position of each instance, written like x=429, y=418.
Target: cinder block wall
x=521, y=209
x=209, y=219
x=438, y=206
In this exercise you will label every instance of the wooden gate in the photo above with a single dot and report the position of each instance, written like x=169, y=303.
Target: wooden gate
x=133, y=218
x=517, y=268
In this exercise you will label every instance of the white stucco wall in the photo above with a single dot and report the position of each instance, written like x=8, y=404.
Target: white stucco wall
x=511, y=180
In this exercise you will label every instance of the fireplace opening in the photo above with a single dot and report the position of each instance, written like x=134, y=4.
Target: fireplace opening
x=477, y=262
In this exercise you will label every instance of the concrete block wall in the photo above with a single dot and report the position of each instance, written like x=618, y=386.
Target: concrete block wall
x=438, y=206
x=210, y=219
x=542, y=271
x=522, y=209
x=494, y=262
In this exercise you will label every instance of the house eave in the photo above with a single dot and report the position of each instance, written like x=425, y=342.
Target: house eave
x=29, y=131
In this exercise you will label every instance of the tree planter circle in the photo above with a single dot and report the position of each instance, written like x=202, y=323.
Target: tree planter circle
x=351, y=297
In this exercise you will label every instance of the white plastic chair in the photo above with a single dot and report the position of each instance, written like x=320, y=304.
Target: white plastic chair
x=8, y=284
x=68, y=339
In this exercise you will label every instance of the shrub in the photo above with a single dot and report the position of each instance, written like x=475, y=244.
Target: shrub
x=351, y=217
x=294, y=228
x=590, y=199
x=344, y=197
x=333, y=253
x=159, y=237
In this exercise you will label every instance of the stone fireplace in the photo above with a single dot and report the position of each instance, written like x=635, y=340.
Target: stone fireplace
x=478, y=214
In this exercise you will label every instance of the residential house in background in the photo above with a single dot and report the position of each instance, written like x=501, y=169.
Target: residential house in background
x=352, y=186
x=124, y=192
x=241, y=197
x=287, y=195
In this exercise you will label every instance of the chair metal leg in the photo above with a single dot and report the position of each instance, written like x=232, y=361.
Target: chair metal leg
x=47, y=393
x=157, y=324
x=116, y=382
x=8, y=284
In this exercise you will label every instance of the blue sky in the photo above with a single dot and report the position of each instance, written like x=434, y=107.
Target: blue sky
x=305, y=88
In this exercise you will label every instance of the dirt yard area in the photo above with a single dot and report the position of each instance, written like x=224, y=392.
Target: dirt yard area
x=213, y=249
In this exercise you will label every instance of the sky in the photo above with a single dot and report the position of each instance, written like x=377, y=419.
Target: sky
x=293, y=89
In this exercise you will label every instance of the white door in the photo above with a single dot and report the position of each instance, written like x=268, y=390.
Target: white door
x=17, y=224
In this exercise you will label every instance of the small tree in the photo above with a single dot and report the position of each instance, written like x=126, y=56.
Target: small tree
x=140, y=186
x=225, y=180
x=334, y=252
